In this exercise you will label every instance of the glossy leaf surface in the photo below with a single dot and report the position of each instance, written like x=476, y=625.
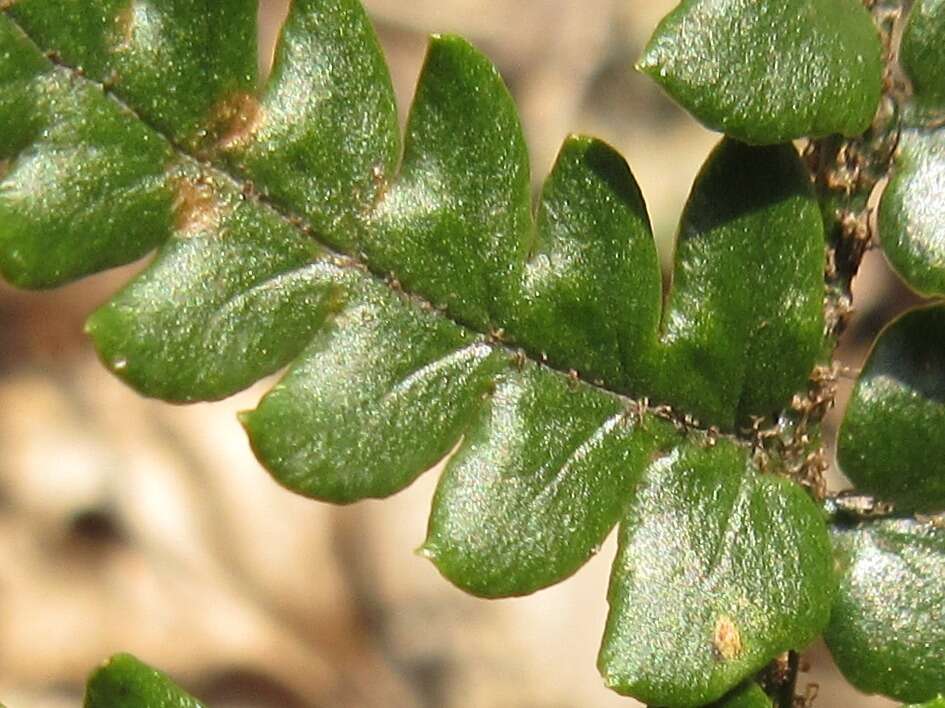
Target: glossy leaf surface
x=381, y=394
x=887, y=631
x=125, y=682
x=231, y=297
x=591, y=289
x=548, y=464
x=322, y=138
x=719, y=570
x=891, y=443
x=769, y=72
x=912, y=211
x=455, y=224
x=921, y=55
x=744, y=320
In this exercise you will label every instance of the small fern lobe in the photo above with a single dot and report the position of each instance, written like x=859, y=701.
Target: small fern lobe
x=770, y=72
x=125, y=682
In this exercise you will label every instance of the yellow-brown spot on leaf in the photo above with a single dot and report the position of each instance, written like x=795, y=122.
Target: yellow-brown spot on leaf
x=7, y=4
x=124, y=27
x=727, y=640
x=235, y=120
x=196, y=207
x=336, y=302
x=4, y=168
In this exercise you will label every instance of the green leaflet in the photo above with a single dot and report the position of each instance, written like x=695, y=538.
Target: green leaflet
x=125, y=682
x=85, y=184
x=891, y=442
x=380, y=395
x=456, y=224
x=538, y=483
x=234, y=295
x=911, y=216
x=591, y=289
x=719, y=570
x=920, y=53
x=769, y=72
x=744, y=320
x=886, y=630
x=323, y=137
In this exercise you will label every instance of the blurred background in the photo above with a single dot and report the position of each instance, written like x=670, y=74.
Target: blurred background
x=127, y=524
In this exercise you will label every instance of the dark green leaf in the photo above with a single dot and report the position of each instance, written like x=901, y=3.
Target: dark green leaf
x=912, y=211
x=125, y=682
x=591, y=289
x=234, y=295
x=379, y=396
x=769, y=72
x=744, y=321
x=323, y=139
x=538, y=483
x=921, y=52
x=891, y=443
x=720, y=569
x=456, y=224
x=887, y=629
